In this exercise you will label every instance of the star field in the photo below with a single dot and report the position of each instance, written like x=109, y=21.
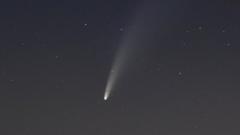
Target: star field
x=55, y=58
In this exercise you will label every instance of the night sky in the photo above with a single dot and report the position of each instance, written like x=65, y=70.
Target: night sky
x=181, y=77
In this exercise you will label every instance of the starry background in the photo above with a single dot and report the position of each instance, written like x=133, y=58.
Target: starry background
x=55, y=58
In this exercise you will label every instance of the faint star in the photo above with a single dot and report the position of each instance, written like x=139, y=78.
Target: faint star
x=12, y=81
x=121, y=29
x=21, y=43
x=180, y=73
x=200, y=28
x=228, y=44
x=195, y=126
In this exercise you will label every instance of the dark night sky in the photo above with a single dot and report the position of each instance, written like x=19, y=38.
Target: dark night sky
x=55, y=58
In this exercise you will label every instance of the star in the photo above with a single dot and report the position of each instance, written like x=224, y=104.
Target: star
x=200, y=28
x=180, y=73
x=121, y=29
x=11, y=80
x=228, y=44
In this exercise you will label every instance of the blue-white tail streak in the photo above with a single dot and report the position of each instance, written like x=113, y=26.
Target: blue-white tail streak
x=124, y=58
x=116, y=72
x=127, y=50
x=140, y=29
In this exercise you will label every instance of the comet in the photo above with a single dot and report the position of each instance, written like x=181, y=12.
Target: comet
x=121, y=63
x=114, y=75
x=130, y=48
x=126, y=54
x=105, y=97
